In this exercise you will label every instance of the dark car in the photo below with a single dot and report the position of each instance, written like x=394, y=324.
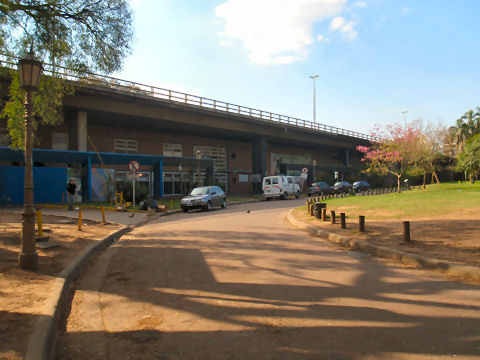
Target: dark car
x=361, y=186
x=204, y=198
x=342, y=187
x=319, y=188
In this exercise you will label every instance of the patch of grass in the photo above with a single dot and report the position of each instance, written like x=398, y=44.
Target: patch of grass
x=435, y=200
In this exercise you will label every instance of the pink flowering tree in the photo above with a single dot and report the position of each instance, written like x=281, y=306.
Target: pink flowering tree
x=393, y=153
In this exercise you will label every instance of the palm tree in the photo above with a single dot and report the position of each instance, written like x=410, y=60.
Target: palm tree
x=467, y=126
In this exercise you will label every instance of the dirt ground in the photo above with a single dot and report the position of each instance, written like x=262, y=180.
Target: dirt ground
x=445, y=238
x=23, y=293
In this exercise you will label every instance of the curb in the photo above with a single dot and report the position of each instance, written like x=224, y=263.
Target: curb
x=42, y=340
x=445, y=267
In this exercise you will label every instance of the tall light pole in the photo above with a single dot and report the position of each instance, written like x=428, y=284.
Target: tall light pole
x=404, y=112
x=29, y=73
x=313, y=77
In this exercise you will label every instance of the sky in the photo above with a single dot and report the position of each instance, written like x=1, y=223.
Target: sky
x=375, y=59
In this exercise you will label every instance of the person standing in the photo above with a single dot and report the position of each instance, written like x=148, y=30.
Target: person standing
x=71, y=187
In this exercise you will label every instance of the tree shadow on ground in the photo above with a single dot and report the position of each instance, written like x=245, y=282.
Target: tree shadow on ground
x=334, y=307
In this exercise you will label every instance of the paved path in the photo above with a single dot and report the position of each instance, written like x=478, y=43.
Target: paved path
x=124, y=218
x=235, y=285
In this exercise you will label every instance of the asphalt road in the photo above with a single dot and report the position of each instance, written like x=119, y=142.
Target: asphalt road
x=235, y=285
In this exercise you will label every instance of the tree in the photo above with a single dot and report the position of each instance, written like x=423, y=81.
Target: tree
x=430, y=148
x=393, y=153
x=469, y=159
x=85, y=35
x=466, y=126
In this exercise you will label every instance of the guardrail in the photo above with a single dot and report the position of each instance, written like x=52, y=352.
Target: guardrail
x=184, y=98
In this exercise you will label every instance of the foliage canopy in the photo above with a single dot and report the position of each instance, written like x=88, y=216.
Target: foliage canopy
x=86, y=35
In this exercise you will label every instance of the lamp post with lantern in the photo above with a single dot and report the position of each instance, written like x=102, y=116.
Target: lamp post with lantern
x=29, y=72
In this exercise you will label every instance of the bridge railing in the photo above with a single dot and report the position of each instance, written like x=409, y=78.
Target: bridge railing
x=103, y=81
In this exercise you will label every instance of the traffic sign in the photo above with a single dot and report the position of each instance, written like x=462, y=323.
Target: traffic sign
x=134, y=166
x=305, y=170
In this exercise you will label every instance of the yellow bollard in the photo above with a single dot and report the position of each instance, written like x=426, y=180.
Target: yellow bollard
x=103, y=215
x=39, y=223
x=80, y=219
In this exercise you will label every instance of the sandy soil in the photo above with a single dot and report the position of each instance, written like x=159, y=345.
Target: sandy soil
x=23, y=293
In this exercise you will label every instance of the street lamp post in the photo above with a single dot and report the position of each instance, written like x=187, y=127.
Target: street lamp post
x=404, y=112
x=313, y=77
x=29, y=72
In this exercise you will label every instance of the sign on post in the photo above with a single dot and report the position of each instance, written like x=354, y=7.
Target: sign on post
x=134, y=167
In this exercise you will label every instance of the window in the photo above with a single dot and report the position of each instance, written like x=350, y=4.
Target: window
x=275, y=180
x=59, y=141
x=125, y=146
x=268, y=182
x=219, y=154
x=172, y=150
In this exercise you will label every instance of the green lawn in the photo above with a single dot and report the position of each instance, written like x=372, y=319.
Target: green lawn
x=436, y=200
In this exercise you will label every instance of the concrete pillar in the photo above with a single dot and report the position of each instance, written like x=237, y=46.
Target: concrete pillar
x=82, y=130
x=347, y=157
x=259, y=160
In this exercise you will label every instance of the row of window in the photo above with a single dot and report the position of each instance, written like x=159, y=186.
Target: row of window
x=130, y=146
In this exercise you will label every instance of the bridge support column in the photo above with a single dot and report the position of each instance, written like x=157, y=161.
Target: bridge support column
x=82, y=130
x=259, y=160
x=347, y=157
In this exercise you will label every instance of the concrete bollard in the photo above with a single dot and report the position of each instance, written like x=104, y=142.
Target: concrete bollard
x=39, y=223
x=324, y=214
x=406, y=231
x=103, y=215
x=80, y=219
x=361, y=223
x=311, y=209
x=332, y=220
x=307, y=204
x=342, y=221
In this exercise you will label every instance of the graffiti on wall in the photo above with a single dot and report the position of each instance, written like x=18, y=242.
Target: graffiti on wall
x=102, y=188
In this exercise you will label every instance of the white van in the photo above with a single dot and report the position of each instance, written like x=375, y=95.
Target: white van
x=279, y=186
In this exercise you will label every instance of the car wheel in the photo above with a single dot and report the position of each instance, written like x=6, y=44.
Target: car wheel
x=208, y=207
x=185, y=210
x=224, y=204
x=268, y=198
x=297, y=195
x=284, y=196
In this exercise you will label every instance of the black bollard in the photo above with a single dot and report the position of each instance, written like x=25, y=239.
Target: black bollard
x=361, y=223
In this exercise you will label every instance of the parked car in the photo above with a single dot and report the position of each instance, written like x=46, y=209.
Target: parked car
x=342, y=187
x=279, y=186
x=319, y=188
x=361, y=186
x=204, y=197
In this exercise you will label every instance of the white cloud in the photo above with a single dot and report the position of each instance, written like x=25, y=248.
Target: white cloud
x=337, y=23
x=360, y=4
x=275, y=31
x=345, y=27
x=225, y=43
